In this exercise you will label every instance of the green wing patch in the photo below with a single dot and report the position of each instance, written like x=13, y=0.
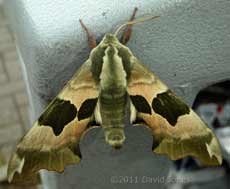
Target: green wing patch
x=87, y=108
x=58, y=114
x=141, y=104
x=169, y=106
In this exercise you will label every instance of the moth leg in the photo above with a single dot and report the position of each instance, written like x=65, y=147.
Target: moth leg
x=91, y=39
x=128, y=30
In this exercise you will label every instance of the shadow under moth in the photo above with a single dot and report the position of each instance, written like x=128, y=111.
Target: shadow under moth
x=99, y=93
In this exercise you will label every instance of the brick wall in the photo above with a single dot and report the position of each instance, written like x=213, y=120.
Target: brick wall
x=13, y=99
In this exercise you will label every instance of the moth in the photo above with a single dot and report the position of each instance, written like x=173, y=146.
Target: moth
x=98, y=95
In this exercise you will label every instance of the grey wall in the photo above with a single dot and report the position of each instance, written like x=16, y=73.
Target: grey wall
x=188, y=47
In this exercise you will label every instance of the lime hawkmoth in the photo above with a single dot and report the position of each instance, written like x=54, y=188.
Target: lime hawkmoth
x=98, y=95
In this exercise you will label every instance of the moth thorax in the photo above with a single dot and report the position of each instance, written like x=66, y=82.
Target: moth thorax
x=115, y=137
x=113, y=73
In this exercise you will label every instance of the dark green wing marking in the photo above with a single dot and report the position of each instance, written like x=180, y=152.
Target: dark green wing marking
x=58, y=114
x=169, y=106
x=87, y=108
x=140, y=104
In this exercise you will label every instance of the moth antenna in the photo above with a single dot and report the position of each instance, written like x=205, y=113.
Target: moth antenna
x=136, y=21
x=128, y=30
x=91, y=40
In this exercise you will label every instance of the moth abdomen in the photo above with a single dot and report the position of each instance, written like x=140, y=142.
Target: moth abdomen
x=112, y=116
x=115, y=136
x=112, y=111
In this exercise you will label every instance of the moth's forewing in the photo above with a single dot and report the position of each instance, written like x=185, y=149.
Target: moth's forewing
x=53, y=141
x=177, y=130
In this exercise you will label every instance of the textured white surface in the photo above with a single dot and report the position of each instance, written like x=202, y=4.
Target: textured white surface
x=188, y=47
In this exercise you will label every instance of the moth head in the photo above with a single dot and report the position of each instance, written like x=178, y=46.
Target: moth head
x=109, y=39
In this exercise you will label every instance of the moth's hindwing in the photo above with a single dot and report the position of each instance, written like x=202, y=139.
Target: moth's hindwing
x=53, y=141
x=177, y=130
